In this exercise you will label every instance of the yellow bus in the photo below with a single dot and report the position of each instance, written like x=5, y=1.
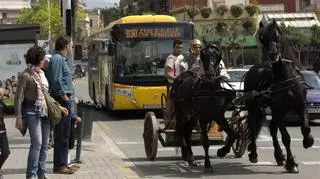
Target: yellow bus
x=126, y=60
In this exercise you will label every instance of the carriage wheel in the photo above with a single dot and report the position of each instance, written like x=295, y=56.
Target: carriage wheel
x=240, y=127
x=150, y=135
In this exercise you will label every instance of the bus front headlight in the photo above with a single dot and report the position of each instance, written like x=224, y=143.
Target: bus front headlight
x=126, y=92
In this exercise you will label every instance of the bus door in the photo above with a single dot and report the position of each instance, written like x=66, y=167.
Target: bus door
x=93, y=73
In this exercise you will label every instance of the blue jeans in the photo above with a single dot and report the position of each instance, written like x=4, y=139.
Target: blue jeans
x=39, y=128
x=61, y=137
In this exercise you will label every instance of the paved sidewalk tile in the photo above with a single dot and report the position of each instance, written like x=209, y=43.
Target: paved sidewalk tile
x=99, y=160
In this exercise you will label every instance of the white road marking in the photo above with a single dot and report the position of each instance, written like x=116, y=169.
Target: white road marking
x=269, y=148
x=262, y=138
x=216, y=147
x=310, y=162
x=264, y=163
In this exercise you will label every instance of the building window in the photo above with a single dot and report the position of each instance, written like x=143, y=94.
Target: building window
x=91, y=22
x=304, y=3
x=4, y=15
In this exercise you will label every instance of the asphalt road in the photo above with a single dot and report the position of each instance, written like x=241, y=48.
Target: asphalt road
x=125, y=129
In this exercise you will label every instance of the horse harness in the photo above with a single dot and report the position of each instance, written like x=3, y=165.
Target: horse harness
x=274, y=88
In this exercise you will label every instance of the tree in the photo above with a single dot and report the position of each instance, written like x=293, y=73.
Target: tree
x=295, y=38
x=40, y=15
x=315, y=34
x=80, y=33
x=110, y=14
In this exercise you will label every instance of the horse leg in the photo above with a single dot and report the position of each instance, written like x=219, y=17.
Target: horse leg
x=205, y=145
x=190, y=159
x=255, y=118
x=290, y=166
x=308, y=140
x=181, y=123
x=231, y=137
x=278, y=155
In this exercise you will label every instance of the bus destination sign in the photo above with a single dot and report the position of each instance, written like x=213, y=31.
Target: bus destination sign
x=153, y=33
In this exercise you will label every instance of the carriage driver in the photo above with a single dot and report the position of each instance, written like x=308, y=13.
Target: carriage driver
x=172, y=69
x=193, y=62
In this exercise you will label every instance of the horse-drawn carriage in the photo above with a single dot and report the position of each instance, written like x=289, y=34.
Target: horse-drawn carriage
x=163, y=131
x=277, y=84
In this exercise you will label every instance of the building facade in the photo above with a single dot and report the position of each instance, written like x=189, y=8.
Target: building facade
x=10, y=10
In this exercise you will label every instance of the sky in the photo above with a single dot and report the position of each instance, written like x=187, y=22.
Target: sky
x=100, y=3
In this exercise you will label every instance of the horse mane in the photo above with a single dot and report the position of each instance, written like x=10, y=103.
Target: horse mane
x=288, y=52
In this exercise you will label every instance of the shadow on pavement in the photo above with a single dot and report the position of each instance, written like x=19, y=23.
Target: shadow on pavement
x=179, y=169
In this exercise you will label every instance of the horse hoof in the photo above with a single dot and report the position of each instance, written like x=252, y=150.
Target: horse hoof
x=192, y=163
x=293, y=169
x=280, y=159
x=308, y=142
x=253, y=158
x=208, y=170
x=280, y=163
x=221, y=153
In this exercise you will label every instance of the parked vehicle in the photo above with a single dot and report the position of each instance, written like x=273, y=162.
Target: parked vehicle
x=313, y=97
x=79, y=71
x=236, y=77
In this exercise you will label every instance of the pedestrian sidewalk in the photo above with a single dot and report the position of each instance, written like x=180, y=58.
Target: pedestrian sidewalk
x=100, y=157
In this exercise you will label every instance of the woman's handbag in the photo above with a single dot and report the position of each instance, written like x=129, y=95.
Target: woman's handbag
x=54, y=111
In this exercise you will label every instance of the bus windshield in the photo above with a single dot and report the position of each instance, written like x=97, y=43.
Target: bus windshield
x=145, y=58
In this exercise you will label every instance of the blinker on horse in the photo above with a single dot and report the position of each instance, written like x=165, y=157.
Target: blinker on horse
x=201, y=98
x=286, y=92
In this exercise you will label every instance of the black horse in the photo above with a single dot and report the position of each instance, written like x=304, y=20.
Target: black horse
x=280, y=86
x=201, y=98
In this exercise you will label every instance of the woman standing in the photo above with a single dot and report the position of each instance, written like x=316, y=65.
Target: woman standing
x=30, y=105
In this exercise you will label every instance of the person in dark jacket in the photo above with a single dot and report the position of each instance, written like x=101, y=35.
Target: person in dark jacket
x=4, y=145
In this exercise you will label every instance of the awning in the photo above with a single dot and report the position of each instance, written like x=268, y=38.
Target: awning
x=238, y=41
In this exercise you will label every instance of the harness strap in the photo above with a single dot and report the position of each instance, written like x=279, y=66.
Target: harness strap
x=286, y=84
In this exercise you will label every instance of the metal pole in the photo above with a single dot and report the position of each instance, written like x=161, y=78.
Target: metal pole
x=192, y=9
x=80, y=134
x=49, y=20
x=184, y=13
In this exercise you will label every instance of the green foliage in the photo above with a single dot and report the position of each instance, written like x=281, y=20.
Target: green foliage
x=40, y=15
x=252, y=9
x=192, y=12
x=206, y=12
x=248, y=24
x=110, y=14
x=178, y=11
x=221, y=10
x=149, y=13
x=221, y=28
x=294, y=37
x=315, y=34
x=236, y=11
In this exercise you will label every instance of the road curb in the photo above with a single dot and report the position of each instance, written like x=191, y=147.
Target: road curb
x=127, y=168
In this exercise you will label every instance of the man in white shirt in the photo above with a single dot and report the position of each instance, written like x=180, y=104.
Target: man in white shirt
x=172, y=65
x=172, y=69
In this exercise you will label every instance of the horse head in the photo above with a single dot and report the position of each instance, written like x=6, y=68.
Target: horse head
x=210, y=57
x=270, y=36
